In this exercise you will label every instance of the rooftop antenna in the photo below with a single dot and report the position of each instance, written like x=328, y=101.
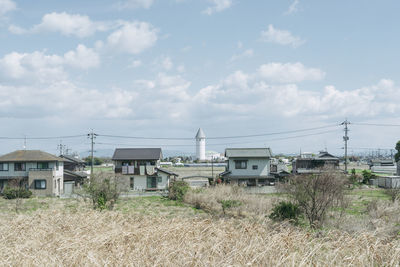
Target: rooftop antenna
x=25, y=142
x=326, y=149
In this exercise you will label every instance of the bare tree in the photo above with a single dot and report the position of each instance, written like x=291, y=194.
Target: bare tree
x=317, y=193
x=15, y=189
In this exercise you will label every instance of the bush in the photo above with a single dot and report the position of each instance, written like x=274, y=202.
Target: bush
x=285, y=211
x=13, y=193
x=367, y=175
x=177, y=190
x=104, y=191
x=230, y=203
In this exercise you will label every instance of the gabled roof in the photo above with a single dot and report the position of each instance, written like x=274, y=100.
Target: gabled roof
x=29, y=156
x=137, y=154
x=200, y=134
x=167, y=172
x=248, y=153
x=72, y=159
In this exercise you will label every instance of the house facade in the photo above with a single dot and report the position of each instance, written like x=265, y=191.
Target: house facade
x=139, y=169
x=249, y=166
x=74, y=170
x=309, y=164
x=38, y=171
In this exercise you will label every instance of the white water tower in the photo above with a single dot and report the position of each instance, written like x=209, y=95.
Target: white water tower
x=200, y=145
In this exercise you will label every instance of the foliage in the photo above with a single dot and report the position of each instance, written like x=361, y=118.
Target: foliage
x=97, y=161
x=367, y=175
x=177, y=190
x=317, y=193
x=13, y=193
x=103, y=190
x=397, y=155
x=229, y=203
x=285, y=211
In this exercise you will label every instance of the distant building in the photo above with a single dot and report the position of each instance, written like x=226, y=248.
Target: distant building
x=383, y=166
x=200, y=145
x=74, y=170
x=40, y=172
x=278, y=168
x=140, y=168
x=249, y=166
x=313, y=164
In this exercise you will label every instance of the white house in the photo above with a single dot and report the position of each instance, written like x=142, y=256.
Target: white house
x=140, y=168
x=248, y=165
x=40, y=172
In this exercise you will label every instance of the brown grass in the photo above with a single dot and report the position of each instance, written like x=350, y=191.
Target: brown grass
x=112, y=238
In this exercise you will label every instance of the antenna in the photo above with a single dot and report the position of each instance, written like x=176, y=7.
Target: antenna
x=25, y=142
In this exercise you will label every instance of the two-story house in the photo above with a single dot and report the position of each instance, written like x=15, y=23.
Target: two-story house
x=140, y=168
x=40, y=172
x=249, y=166
x=308, y=163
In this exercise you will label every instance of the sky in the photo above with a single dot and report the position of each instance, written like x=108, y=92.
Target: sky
x=164, y=68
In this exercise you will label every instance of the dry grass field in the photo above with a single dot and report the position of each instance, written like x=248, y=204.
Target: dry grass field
x=152, y=231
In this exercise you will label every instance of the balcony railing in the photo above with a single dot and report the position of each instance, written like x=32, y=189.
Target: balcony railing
x=36, y=169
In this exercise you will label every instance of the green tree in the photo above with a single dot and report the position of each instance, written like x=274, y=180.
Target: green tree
x=397, y=155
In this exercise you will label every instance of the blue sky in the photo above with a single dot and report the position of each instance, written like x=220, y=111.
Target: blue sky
x=166, y=67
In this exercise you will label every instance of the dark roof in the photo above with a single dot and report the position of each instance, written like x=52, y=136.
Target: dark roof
x=29, y=156
x=76, y=174
x=248, y=152
x=72, y=159
x=167, y=172
x=137, y=154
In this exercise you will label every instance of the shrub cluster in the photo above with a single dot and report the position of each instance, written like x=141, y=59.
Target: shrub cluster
x=13, y=193
x=285, y=211
x=177, y=190
x=104, y=191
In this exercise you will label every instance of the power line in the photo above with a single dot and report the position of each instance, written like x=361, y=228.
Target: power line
x=219, y=137
x=41, y=138
x=219, y=144
x=376, y=124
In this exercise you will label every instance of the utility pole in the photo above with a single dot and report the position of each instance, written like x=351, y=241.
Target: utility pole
x=61, y=148
x=345, y=139
x=92, y=136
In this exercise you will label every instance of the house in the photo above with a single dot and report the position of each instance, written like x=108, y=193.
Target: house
x=279, y=169
x=40, y=172
x=140, y=168
x=249, y=166
x=313, y=164
x=74, y=170
x=383, y=166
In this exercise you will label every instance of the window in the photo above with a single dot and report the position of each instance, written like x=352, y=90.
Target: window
x=40, y=184
x=255, y=167
x=132, y=184
x=3, y=166
x=159, y=179
x=42, y=165
x=240, y=164
x=19, y=166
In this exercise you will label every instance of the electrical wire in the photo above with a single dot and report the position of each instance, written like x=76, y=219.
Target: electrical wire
x=42, y=138
x=375, y=124
x=219, y=137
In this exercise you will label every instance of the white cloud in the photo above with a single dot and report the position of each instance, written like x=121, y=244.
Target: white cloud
x=181, y=68
x=245, y=54
x=293, y=8
x=69, y=24
x=135, y=64
x=64, y=98
x=218, y=6
x=135, y=4
x=167, y=63
x=133, y=37
x=6, y=6
x=46, y=68
x=289, y=73
x=16, y=29
x=283, y=37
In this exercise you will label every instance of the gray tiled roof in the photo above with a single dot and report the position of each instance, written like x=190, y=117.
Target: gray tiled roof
x=29, y=156
x=137, y=154
x=248, y=153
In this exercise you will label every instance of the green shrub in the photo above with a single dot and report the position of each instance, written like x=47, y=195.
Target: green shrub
x=227, y=204
x=177, y=190
x=103, y=190
x=13, y=193
x=285, y=211
x=367, y=175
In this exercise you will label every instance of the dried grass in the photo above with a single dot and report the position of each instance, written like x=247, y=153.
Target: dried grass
x=113, y=238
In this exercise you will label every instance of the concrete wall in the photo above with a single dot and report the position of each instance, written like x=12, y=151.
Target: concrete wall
x=262, y=163
x=42, y=175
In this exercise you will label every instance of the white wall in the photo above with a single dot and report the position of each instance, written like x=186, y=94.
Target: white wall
x=201, y=149
x=262, y=163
